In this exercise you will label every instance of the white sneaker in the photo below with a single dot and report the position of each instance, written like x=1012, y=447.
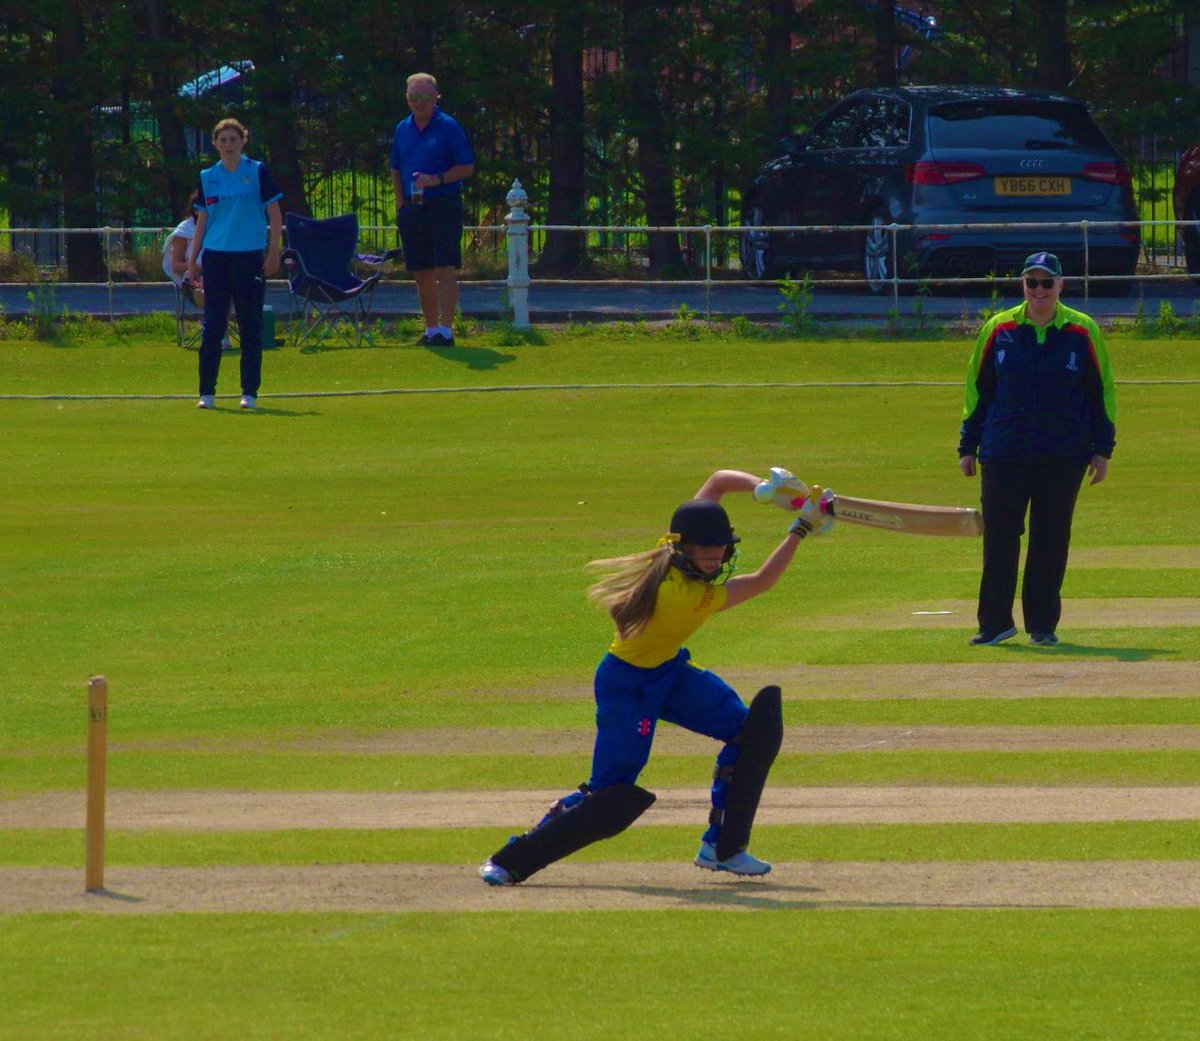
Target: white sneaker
x=207, y=401
x=741, y=863
x=495, y=875
x=247, y=401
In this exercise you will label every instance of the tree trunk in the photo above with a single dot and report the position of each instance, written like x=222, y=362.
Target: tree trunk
x=421, y=42
x=164, y=103
x=648, y=126
x=1053, y=45
x=564, y=250
x=70, y=144
x=780, y=14
x=885, y=43
x=275, y=111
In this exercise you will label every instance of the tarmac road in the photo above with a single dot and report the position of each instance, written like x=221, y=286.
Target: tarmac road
x=630, y=301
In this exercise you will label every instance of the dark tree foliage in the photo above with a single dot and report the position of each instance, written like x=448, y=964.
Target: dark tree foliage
x=608, y=111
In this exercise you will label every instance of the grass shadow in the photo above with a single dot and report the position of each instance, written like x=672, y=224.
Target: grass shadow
x=264, y=410
x=1080, y=650
x=480, y=359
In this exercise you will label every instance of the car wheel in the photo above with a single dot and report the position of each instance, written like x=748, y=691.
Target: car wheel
x=877, y=253
x=754, y=248
x=1191, y=237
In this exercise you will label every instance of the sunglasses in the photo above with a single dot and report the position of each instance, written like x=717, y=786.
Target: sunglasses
x=420, y=97
x=1045, y=283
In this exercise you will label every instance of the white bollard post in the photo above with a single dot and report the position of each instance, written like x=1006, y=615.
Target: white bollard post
x=518, y=255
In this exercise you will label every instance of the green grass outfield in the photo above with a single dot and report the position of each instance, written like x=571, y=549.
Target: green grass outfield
x=340, y=567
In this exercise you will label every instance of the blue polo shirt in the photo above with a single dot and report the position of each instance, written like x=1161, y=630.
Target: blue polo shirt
x=236, y=204
x=442, y=144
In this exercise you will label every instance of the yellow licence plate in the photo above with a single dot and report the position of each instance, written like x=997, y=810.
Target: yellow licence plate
x=1033, y=186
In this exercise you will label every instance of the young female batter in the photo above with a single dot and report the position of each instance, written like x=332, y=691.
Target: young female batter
x=658, y=599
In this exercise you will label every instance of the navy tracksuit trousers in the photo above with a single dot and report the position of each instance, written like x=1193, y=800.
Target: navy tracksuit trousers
x=236, y=276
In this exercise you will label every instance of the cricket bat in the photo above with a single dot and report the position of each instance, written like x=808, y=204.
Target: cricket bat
x=906, y=517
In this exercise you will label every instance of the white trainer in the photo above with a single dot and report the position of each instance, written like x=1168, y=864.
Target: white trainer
x=741, y=863
x=207, y=401
x=495, y=875
x=247, y=401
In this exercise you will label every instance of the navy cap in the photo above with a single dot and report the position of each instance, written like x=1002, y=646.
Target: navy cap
x=1045, y=261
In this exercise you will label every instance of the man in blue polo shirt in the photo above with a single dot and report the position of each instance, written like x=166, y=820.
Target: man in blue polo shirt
x=431, y=157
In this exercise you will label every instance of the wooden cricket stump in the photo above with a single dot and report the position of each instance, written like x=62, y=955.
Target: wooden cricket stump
x=97, y=756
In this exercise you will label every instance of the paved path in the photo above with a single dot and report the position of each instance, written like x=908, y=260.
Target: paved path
x=626, y=302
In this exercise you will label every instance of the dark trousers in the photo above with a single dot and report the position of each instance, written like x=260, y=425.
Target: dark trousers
x=237, y=277
x=1048, y=491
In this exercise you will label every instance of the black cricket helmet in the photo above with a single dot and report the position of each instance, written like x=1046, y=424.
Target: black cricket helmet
x=702, y=522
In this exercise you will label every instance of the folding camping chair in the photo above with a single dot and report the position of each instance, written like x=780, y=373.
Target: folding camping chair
x=188, y=331
x=328, y=298
x=185, y=305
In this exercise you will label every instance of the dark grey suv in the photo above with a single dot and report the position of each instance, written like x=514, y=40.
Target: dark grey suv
x=943, y=155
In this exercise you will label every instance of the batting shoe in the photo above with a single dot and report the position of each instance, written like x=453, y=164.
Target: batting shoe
x=495, y=875
x=984, y=638
x=741, y=863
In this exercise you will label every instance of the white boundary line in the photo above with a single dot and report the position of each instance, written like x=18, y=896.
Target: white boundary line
x=528, y=387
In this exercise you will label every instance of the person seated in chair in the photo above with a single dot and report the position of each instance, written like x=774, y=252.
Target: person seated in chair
x=175, y=265
x=175, y=250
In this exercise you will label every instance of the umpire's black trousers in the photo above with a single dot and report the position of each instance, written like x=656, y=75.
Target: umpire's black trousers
x=1048, y=490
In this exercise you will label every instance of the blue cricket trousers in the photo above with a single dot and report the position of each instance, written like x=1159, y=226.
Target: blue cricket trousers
x=629, y=703
x=236, y=276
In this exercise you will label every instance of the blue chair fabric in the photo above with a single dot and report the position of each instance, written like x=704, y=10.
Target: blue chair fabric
x=328, y=296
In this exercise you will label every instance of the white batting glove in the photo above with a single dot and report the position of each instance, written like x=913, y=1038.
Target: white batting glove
x=813, y=520
x=783, y=488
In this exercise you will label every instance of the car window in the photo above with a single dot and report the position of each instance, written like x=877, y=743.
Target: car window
x=835, y=129
x=883, y=123
x=1019, y=125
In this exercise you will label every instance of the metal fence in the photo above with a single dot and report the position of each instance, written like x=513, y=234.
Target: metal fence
x=519, y=240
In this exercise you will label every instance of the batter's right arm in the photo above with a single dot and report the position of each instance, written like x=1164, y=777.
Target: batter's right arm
x=723, y=481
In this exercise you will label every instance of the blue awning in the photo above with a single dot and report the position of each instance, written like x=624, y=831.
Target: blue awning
x=223, y=76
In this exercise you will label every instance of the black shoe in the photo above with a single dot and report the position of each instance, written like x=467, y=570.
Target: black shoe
x=427, y=339
x=1043, y=638
x=993, y=637
x=441, y=340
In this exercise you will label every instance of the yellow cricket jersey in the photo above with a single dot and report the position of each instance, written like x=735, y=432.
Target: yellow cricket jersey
x=682, y=606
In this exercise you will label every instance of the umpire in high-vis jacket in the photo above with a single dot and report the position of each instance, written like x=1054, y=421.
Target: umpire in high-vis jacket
x=1040, y=413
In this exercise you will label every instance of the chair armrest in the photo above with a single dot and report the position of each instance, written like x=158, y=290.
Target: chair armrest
x=375, y=260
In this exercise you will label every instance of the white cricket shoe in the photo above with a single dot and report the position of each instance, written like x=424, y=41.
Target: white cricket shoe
x=741, y=863
x=207, y=401
x=247, y=401
x=495, y=875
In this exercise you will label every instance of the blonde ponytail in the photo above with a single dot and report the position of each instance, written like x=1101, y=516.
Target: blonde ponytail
x=629, y=588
